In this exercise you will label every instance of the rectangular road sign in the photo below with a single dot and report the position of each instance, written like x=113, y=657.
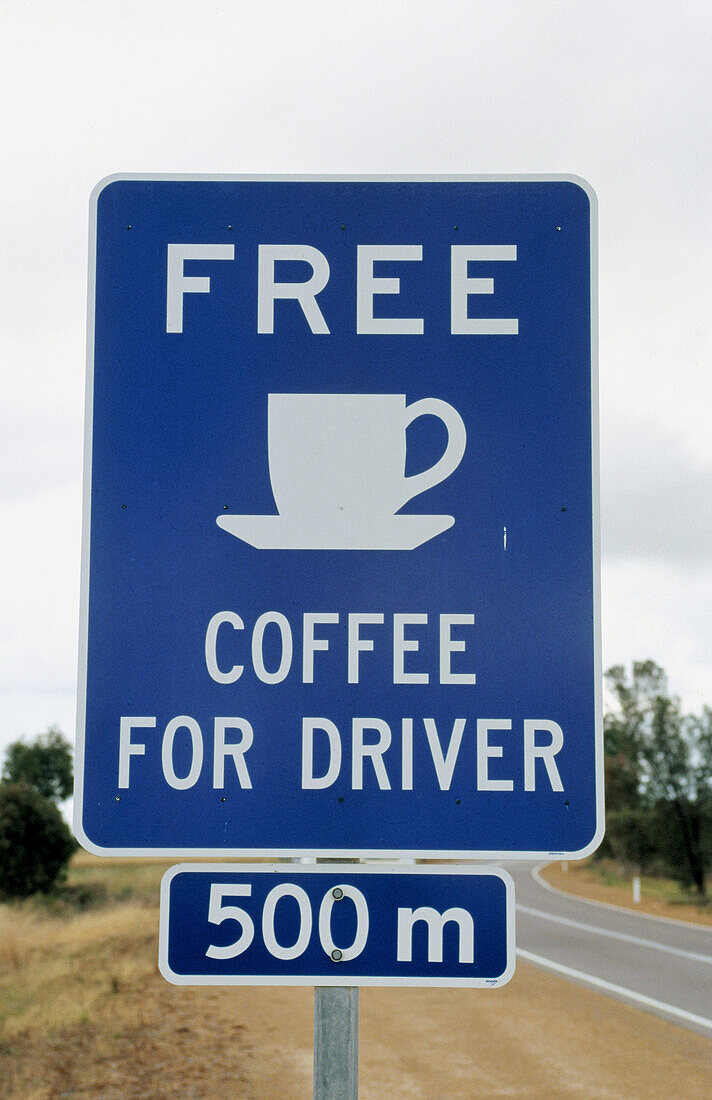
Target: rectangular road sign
x=340, y=588
x=232, y=924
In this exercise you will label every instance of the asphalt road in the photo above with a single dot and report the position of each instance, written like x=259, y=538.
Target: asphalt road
x=659, y=965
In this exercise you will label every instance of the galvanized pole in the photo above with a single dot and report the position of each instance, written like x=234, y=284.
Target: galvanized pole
x=336, y=1037
x=336, y=1042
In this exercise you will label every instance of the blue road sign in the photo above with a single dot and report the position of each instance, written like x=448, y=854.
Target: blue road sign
x=231, y=924
x=340, y=586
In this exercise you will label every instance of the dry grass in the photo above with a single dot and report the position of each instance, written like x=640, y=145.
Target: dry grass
x=54, y=970
x=83, y=1009
x=60, y=956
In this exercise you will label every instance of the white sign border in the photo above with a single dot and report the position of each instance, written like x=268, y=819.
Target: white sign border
x=386, y=853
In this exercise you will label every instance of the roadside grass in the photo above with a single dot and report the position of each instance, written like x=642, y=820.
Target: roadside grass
x=84, y=1011
x=604, y=880
x=664, y=889
x=94, y=936
x=120, y=879
x=61, y=954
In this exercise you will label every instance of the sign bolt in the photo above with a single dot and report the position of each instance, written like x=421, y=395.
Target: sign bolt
x=337, y=893
x=336, y=955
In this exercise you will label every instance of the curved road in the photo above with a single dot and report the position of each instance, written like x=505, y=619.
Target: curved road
x=659, y=965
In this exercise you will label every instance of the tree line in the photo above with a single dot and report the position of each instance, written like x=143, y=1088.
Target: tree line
x=658, y=764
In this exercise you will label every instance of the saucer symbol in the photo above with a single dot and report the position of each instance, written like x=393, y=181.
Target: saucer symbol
x=337, y=470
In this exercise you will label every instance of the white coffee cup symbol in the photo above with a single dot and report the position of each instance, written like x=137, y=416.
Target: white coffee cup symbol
x=345, y=452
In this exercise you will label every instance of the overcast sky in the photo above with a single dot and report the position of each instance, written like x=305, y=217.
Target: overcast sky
x=618, y=93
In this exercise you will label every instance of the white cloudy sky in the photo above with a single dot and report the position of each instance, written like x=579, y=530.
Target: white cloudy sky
x=618, y=92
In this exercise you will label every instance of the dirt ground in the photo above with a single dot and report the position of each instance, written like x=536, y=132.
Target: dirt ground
x=539, y=1037
x=84, y=1013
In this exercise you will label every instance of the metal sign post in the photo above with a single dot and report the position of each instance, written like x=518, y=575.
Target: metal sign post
x=336, y=1021
x=335, y=1042
x=340, y=590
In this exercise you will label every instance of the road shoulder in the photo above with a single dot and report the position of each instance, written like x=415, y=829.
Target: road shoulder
x=580, y=881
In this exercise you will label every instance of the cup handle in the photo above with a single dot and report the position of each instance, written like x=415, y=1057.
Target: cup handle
x=456, y=441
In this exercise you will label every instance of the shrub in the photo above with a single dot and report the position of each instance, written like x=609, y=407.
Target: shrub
x=45, y=763
x=35, y=842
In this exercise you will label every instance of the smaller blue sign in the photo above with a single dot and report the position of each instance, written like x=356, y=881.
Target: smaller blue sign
x=232, y=924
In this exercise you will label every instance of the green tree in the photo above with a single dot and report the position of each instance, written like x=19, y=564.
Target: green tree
x=660, y=764
x=35, y=842
x=44, y=763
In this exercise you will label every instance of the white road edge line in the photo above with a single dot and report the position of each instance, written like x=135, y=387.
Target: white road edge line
x=535, y=873
x=639, y=941
x=609, y=987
